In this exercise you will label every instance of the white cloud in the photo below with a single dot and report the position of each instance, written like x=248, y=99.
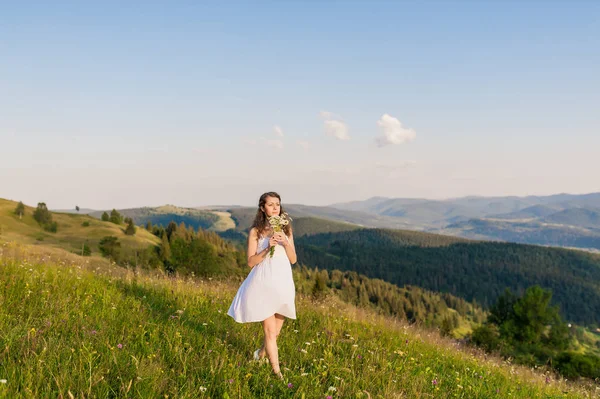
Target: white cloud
x=303, y=144
x=393, y=131
x=337, y=129
x=278, y=131
x=334, y=126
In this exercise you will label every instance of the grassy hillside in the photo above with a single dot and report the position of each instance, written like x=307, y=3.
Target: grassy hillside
x=472, y=270
x=71, y=234
x=126, y=335
x=204, y=253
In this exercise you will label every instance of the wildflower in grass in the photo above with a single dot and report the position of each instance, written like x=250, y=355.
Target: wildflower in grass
x=434, y=381
x=290, y=385
x=231, y=381
x=359, y=356
x=3, y=381
x=93, y=332
x=120, y=346
x=332, y=389
x=547, y=380
x=303, y=374
x=329, y=397
x=204, y=324
x=202, y=389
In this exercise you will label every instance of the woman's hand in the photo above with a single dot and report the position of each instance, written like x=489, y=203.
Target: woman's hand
x=272, y=241
x=281, y=238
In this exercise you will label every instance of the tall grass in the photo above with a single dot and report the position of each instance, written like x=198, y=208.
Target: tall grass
x=67, y=331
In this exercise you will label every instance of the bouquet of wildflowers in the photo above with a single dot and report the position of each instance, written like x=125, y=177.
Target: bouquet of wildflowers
x=278, y=222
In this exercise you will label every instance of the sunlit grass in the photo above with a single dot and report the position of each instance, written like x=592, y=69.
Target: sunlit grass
x=71, y=234
x=97, y=332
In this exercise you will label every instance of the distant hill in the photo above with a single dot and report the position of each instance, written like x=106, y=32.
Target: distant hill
x=82, y=211
x=71, y=234
x=560, y=220
x=582, y=217
x=244, y=216
x=472, y=270
x=530, y=212
x=163, y=215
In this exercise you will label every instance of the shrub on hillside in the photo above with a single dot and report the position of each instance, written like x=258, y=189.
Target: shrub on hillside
x=20, y=210
x=110, y=247
x=44, y=217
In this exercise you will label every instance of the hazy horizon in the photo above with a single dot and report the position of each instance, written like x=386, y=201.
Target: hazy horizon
x=83, y=207
x=113, y=105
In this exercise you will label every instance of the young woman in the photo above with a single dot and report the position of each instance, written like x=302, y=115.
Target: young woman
x=268, y=293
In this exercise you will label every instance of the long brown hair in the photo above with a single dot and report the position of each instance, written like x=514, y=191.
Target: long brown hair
x=261, y=223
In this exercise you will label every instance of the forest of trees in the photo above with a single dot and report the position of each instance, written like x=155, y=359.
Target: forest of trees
x=531, y=331
x=475, y=271
x=407, y=303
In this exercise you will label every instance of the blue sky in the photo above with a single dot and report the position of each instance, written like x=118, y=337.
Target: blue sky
x=196, y=103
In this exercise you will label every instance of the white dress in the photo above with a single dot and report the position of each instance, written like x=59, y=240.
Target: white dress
x=268, y=289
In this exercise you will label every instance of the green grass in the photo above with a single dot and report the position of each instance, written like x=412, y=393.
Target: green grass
x=224, y=223
x=71, y=234
x=68, y=329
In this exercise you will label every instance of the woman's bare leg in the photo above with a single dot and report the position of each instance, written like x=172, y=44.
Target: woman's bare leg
x=270, y=330
x=279, y=319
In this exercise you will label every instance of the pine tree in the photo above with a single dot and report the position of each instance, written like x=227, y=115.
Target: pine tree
x=171, y=228
x=105, y=217
x=130, y=230
x=165, y=248
x=115, y=217
x=149, y=226
x=20, y=210
x=320, y=286
x=42, y=215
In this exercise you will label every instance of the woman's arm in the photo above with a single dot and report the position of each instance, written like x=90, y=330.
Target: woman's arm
x=253, y=257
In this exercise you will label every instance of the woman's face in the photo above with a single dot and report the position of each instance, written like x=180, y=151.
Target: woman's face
x=272, y=206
